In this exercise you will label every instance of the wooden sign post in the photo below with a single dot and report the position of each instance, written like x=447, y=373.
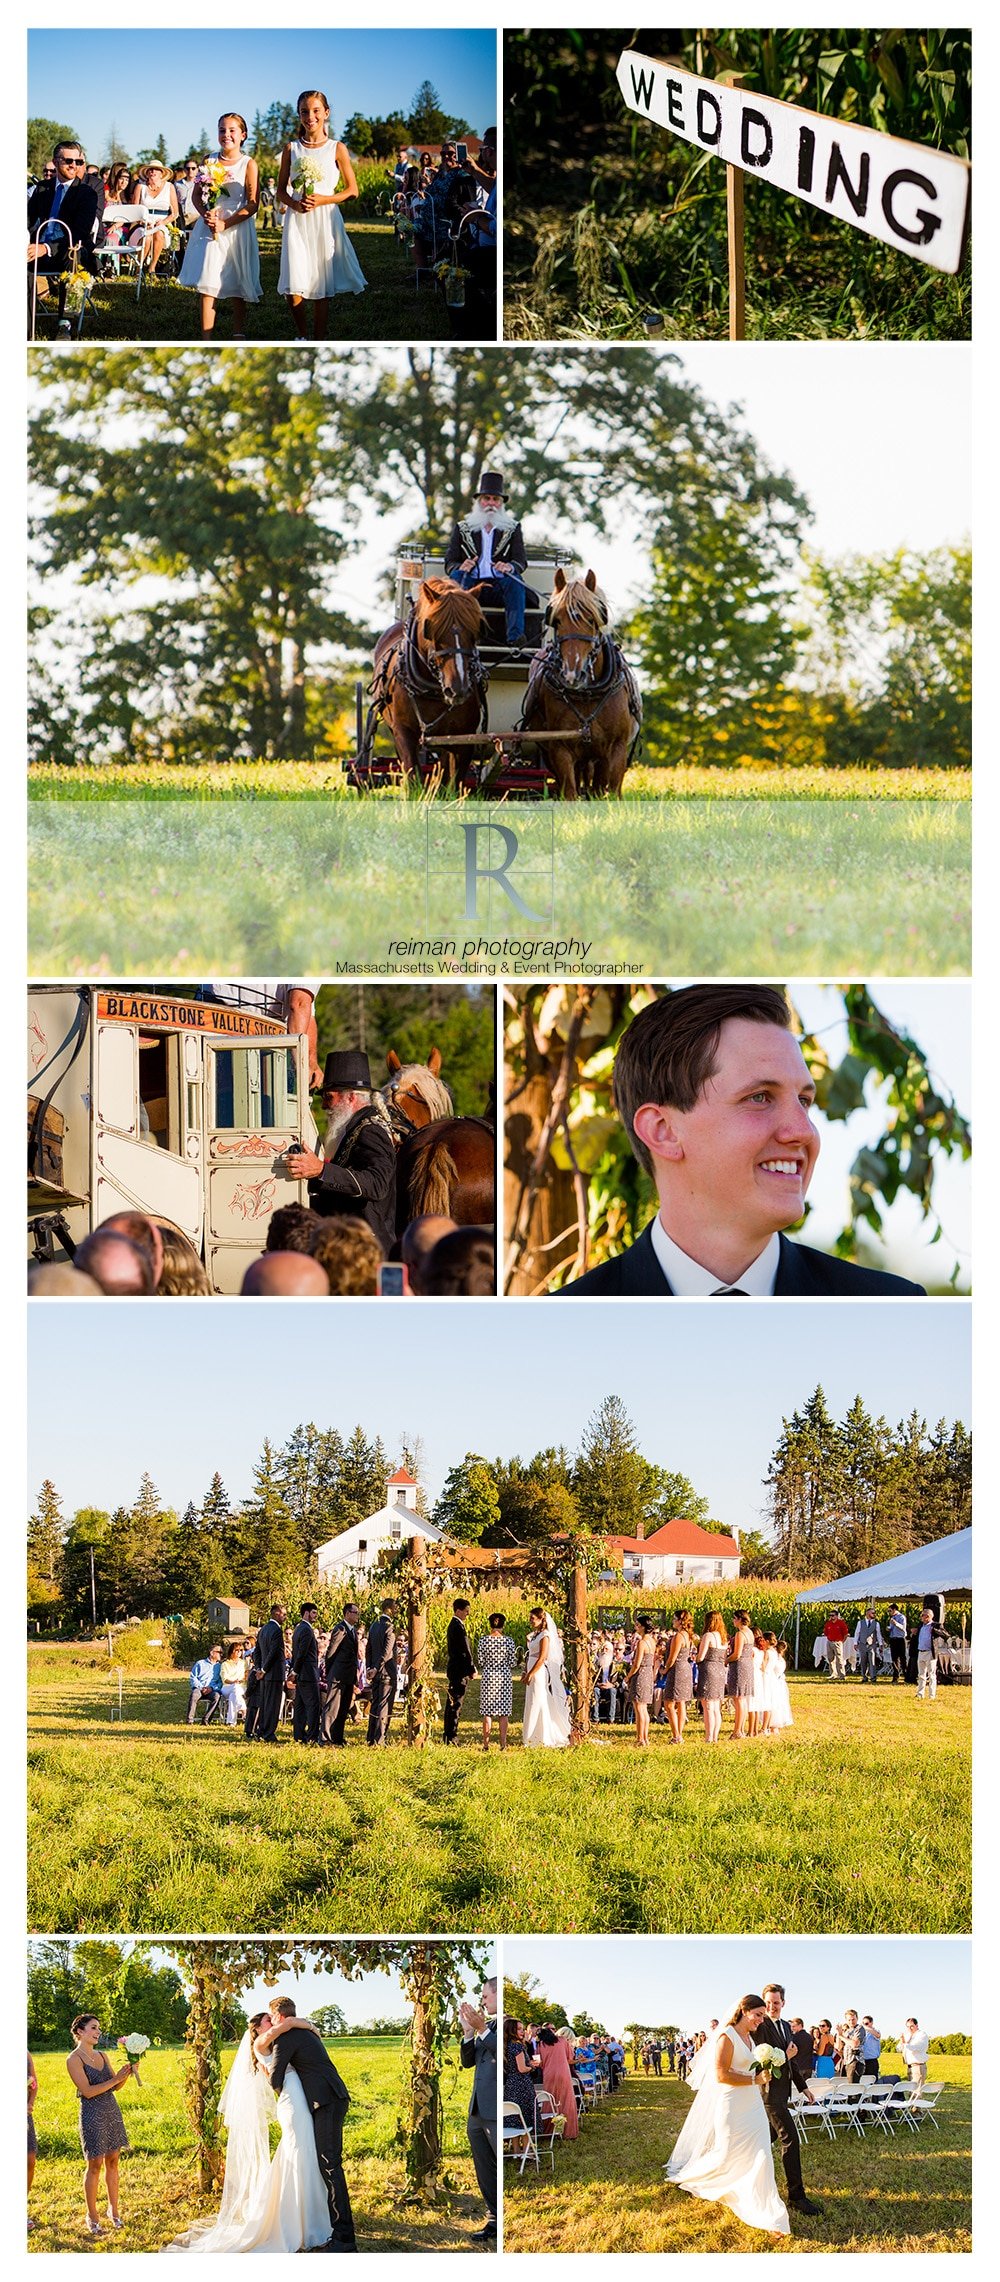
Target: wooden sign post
x=905, y=194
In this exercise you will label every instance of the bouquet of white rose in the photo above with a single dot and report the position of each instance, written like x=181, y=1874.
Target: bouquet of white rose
x=135, y=2045
x=308, y=181
x=767, y=2060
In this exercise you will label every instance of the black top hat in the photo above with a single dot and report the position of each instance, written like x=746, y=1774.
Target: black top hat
x=491, y=485
x=347, y=1073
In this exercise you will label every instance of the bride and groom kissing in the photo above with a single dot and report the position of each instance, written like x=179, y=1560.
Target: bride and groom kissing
x=297, y=2200
x=742, y=2105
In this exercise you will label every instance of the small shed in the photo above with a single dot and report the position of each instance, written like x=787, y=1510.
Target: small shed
x=228, y=1616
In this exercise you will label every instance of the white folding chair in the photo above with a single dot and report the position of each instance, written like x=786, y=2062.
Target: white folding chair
x=550, y=2125
x=922, y=2108
x=519, y=2141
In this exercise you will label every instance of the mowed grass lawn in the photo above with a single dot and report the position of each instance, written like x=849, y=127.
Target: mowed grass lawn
x=390, y=310
x=160, y=2197
x=147, y=1826
x=608, y=2193
x=700, y=880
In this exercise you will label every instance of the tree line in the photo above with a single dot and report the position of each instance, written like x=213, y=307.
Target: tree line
x=426, y=121
x=843, y=1494
x=257, y=467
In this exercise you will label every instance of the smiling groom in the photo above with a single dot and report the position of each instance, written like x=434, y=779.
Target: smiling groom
x=715, y=1094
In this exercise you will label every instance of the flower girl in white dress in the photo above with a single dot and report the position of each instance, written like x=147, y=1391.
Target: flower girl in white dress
x=314, y=179
x=222, y=261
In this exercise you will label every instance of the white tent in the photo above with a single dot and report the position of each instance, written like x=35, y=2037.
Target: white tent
x=945, y=1566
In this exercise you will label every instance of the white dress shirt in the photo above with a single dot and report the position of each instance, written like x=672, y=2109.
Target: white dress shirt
x=689, y=1280
x=486, y=552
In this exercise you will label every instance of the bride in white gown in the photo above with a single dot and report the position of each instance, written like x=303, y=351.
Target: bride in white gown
x=266, y=2205
x=547, y=1719
x=723, y=2153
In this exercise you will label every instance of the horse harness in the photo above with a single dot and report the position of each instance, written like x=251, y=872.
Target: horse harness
x=405, y=665
x=546, y=666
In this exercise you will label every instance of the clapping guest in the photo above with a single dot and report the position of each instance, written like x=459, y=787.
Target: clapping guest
x=914, y=2045
x=102, y=2126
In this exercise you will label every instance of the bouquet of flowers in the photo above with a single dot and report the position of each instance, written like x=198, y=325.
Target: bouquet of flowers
x=135, y=2045
x=213, y=177
x=452, y=277
x=77, y=291
x=309, y=181
x=766, y=2060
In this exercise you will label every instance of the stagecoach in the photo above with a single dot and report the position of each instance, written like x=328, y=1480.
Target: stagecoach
x=491, y=756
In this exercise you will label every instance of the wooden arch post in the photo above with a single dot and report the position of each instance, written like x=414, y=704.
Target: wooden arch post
x=416, y=1720
x=577, y=1628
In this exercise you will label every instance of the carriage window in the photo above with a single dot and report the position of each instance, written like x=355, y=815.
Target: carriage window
x=255, y=1087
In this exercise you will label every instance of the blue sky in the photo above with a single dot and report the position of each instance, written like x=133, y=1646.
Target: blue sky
x=177, y=82
x=706, y=1387
x=692, y=1981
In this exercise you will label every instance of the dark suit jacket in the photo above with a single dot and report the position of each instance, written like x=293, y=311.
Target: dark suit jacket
x=305, y=2051
x=802, y=1274
x=459, y=1660
x=779, y=2088
x=341, y=1658
x=480, y=2053
x=305, y=1648
x=509, y=552
x=78, y=211
x=380, y=1649
x=270, y=1646
x=361, y=1177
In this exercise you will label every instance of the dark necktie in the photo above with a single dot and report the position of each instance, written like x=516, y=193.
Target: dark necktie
x=729, y=1291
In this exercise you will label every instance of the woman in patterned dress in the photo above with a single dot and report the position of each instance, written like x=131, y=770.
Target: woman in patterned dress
x=496, y=1656
x=680, y=1678
x=739, y=1679
x=102, y=2127
x=712, y=1649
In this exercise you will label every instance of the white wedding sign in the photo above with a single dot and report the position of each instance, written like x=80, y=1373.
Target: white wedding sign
x=906, y=194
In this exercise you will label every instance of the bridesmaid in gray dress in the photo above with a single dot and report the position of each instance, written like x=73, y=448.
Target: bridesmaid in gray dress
x=639, y=1684
x=680, y=1678
x=102, y=2126
x=712, y=1651
x=739, y=1680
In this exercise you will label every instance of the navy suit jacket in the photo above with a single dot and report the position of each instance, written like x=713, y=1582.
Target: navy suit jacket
x=78, y=211
x=802, y=1274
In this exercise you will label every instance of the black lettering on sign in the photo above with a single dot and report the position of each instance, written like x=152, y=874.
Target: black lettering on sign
x=807, y=153
x=928, y=222
x=675, y=111
x=642, y=86
x=837, y=172
x=759, y=157
x=707, y=102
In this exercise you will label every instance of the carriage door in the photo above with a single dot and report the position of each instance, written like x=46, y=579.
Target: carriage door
x=141, y=1147
x=257, y=1107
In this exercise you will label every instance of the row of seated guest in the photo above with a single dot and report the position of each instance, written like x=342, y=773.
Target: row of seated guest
x=452, y=196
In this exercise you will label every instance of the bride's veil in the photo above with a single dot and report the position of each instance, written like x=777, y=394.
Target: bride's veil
x=246, y=2107
x=554, y=1664
x=698, y=2129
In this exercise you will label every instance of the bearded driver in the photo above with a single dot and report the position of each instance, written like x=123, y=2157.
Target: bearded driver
x=357, y=1171
x=488, y=546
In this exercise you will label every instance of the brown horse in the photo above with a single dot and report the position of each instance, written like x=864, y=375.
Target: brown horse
x=445, y=1164
x=428, y=681
x=579, y=683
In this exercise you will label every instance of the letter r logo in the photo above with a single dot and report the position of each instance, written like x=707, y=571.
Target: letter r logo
x=474, y=871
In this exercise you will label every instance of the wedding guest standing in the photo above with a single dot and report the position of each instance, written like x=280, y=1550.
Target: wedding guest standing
x=459, y=1668
x=380, y=1672
x=32, y=2137
x=914, y=2045
x=558, y=2080
x=479, y=2052
x=222, y=261
x=897, y=1632
x=269, y=1662
x=102, y=2126
x=314, y=179
x=496, y=1656
x=712, y=1649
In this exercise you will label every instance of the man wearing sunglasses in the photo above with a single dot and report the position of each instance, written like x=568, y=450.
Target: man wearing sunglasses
x=66, y=204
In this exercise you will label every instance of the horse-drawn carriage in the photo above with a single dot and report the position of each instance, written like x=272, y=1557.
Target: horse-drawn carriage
x=462, y=708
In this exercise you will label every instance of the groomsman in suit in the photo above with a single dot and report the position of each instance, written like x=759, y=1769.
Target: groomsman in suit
x=269, y=1661
x=305, y=1665
x=380, y=1665
x=459, y=1668
x=777, y=2091
x=479, y=2052
x=341, y=1663
x=715, y=1094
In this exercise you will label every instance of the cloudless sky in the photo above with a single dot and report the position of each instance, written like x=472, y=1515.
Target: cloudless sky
x=706, y=1387
x=692, y=1981
x=176, y=82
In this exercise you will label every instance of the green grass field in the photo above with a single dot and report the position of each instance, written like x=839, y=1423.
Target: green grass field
x=160, y=2197
x=908, y=2193
x=129, y=1821
x=390, y=310
x=837, y=877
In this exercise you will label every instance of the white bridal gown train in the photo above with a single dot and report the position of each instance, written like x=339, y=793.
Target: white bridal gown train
x=266, y=2205
x=547, y=1720
x=724, y=2153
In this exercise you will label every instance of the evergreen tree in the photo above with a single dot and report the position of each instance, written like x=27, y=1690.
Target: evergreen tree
x=615, y=1486
x=45, y=1538
x=364, y=1474
x=267, y=1545
x=427, y=122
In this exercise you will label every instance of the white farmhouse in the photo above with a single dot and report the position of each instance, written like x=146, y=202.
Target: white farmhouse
x=679, y=1553
x=357, y=1550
